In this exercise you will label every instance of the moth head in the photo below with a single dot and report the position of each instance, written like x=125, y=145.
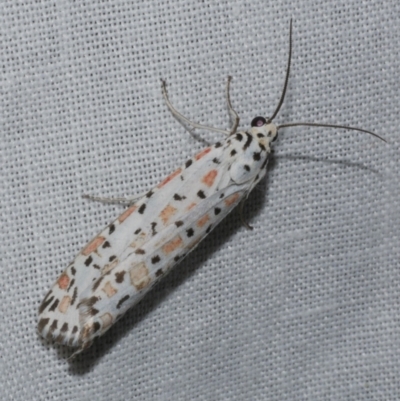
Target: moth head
x=264, y=129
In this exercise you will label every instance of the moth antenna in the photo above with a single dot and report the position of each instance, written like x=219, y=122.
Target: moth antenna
x=330, y=126
x=287, y=76
x=296, y=124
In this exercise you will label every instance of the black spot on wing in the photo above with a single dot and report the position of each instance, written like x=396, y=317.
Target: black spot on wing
x=71, y=284
x=43, y=323
x=138, y=231
x=190, y=232
x=48, y=294
x=201, y=194
x=106, y=245
x=88, y=261
x=119, y=276
x=96, y=327
x=45, y=304
x=53, y=325
x=248, y=141
x=189, y=163
x=60, y=338
x=256, y=156
x=142, y=208
x=155, y=259
x=111, y=229
x=74, y=296
x=93, y=311
x=97, y=283
x=122, y=300
x=54, y=306
x=89, y=301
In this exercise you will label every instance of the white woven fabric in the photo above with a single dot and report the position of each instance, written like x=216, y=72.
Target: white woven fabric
x=305, y=306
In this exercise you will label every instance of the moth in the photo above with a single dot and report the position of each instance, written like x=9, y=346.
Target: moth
x=159, y=228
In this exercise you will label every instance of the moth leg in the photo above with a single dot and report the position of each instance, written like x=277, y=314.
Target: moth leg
x=244, y=222
x=182, y=119
x=120, y=201
x=232, y=113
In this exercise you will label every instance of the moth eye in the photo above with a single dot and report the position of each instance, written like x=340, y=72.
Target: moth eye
x=258, y=122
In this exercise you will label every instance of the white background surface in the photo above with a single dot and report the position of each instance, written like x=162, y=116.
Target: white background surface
x=305, y=306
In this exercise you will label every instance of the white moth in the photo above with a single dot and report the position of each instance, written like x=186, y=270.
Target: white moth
x=119, y=266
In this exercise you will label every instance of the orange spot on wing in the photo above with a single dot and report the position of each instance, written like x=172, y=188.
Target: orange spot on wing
x=202, y=153
x=169, y=178
x=139, y=276
x=167, y=213
x=64, y=304
x=109, y=289
x=191, y=206
x=127, y=213
x=203, y=220
x=209, y=178
x=231, y=199
x=93, y=245
x=172, y=245
x=63, y=281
